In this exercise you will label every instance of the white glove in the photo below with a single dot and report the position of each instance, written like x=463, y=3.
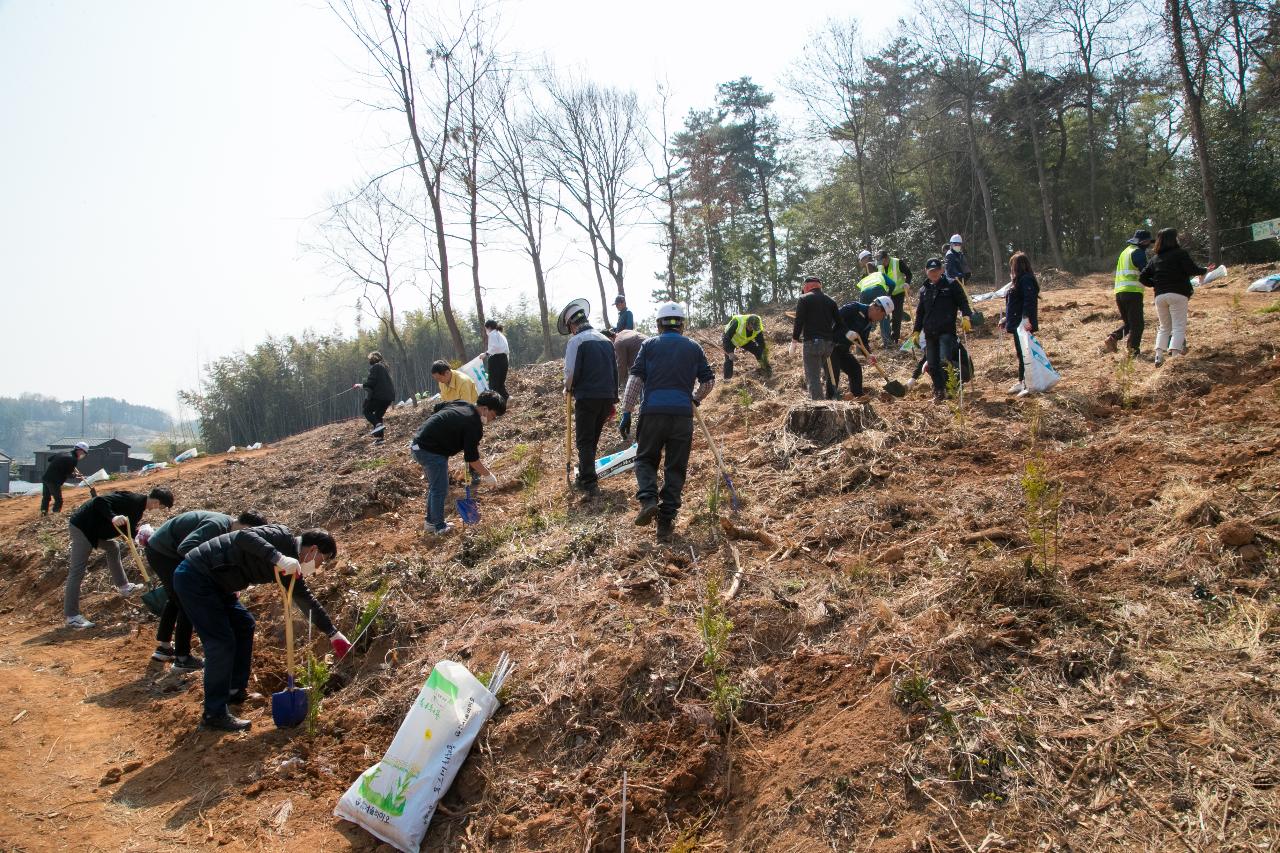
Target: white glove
x=288, y=565
x=852, y=336
x=120, y=521
x=357, y=385
x=489, y=480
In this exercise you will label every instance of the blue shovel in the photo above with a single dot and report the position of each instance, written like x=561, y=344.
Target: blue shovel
x=468, y=509
x=289, y=706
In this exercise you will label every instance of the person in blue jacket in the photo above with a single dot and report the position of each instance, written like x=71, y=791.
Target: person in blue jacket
x=1020, y=305
x=664, y=373
x=626, y=320
x=591, y=376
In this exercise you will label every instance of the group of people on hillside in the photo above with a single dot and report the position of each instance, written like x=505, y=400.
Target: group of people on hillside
x=1168, y=271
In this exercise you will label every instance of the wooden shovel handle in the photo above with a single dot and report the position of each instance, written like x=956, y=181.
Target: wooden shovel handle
x=133, y=549
x=871, y=358
x=286, y=595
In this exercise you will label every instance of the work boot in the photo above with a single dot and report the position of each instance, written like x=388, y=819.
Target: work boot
x=1110, y=344
x=666, y=529
x=163, y=652
x=224, y=722
x=187, y=663
x=377, y=431
x=648, y=511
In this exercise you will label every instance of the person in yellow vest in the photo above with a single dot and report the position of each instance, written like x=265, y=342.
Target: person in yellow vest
x=454, y=384
x=876, y=283
x=901, y=275
x=1129, y=293
x=745, y=332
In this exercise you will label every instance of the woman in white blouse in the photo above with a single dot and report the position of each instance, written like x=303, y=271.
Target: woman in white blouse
x=498, y=357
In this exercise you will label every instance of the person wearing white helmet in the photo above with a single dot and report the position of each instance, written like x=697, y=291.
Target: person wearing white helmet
x=858, y=318
x=874, y=284
x=956, y=265
x=56, y=473
x=591, y=376
x=664, y=374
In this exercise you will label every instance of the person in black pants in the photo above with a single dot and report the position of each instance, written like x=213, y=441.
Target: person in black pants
x=497, y=358
x=859, y=319
x=591, y=376
x=165, y=550
x=207, y=581
x=940, y=299
x=60, y=468
x=1020, y=312
x=381, y=393
x=664, y=374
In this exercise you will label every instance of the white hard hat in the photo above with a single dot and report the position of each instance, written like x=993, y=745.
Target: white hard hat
x=81, y=445
x=575, y=312
x=864, y=255
x=670, y=311
x=885, y=303
x=956, y=238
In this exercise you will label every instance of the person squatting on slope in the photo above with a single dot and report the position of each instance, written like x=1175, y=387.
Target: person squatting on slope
x=940, y=299
x=1021, y=311
x=207, y=581
x=874, y=284
x=745, y=332
x=97, y=523
x=859, y=320
x=818, y=325
x=664, y=374
x=165, y=548
x=497, y=358
x=590, y=375
x=900, y=273
x=380, y=394
x=454, y=384
x=59, y=469
x=626, y=346
x=454, y=427
x=1169, y=275
x=1129, y=293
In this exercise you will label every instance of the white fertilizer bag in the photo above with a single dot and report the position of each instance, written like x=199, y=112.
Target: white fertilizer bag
x=475, y=369
x=1270, y=284
x=96, y=477
x=616, y=463
x=397, y=797
x=1040, y=373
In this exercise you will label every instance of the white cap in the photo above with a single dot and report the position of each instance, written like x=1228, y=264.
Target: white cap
x=885, y=303
x=864, y=255
x=670, y=310
x=80, y=445
x=956, y=238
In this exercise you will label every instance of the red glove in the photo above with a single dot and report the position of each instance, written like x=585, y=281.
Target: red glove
x=341, y=645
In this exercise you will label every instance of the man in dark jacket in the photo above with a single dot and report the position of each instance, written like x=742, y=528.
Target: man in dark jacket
x=60, y=468
x=957, y=265
x=664, y=374
x=454, y=427
x=940, y=299
x=207, y=581
x=859, y=319
x=626, y=319
x=818, y=326
x=165, y=549
x=95, y=524
x=591, y=376
x=381, y=393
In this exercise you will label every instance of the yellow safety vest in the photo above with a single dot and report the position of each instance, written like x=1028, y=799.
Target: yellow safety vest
x=875, y=279
x=894, y=272
x=738, y=326
x=1127, y=272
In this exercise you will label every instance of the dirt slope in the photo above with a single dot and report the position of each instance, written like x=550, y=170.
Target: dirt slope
x=911, y=674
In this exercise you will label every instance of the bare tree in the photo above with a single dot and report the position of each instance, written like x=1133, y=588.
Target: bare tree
x=518, y=190
x=391, y=34
x=668, y=179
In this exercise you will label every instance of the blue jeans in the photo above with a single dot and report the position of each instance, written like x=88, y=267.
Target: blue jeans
x=939, y=350
x=436, y=467
x=225, y=629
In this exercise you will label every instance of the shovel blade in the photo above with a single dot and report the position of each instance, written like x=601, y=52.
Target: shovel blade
x=289, y=707
x=468, y=510
x=155, y=599
x=894, y=388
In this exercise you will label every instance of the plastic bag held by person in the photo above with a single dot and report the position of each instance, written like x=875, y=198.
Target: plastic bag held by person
x=1040, y=373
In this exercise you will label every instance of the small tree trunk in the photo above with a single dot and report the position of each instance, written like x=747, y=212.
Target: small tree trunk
x=985, y=189
x=1046, y=202
x=1194, y=107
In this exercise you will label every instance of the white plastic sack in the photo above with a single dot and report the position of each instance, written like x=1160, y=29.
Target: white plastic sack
x=186, y=454
x=1214, y=274
x=983, y=297
x=153, y=466
x=475, y=369
x=1270, y=284
x=1040, y=375
x=616, y=463
x=396, y=798
x=96, y=477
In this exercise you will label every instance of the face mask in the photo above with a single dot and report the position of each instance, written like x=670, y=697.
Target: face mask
x=309, y=567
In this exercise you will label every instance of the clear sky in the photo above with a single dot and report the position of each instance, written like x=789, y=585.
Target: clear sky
x=162, y=163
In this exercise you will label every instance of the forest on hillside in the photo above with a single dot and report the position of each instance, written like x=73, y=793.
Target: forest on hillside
x=1052, y=128
x=31, y=421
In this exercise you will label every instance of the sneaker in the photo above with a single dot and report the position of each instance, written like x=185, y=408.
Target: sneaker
x=377, y=431
x=1159, y=360
x=79, y=623
x=666, y=529
x=163, y=653
x=440, y=531
x=130, y=589
x=1017, y=388
x=224, y=722
x=1110, y=344
x=188, y=663
x=648, y=512
x=1025, y=392
x=911, y=383
x=589, y=490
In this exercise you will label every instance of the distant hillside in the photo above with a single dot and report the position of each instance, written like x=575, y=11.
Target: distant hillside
x=32, y=421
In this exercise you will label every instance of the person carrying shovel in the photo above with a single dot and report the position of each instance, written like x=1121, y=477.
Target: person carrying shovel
x=60, y=468
x=940, y=299
x=207, y=581
x=859, y=319
x=454, y=427
x=664, y=374
x=96, y=524
x=165, y=549
x=381, y=393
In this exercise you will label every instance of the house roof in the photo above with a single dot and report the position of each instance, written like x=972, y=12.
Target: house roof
x=92, y=442
x=4, y=455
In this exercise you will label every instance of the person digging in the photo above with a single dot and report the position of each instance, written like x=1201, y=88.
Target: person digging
x=664, y=374
x=60, y=468
x=165, y=550
x=859, y=319
x=590, y=377
x=207, y=582
x=96, y=524
x=453, y=428
x=745, y=332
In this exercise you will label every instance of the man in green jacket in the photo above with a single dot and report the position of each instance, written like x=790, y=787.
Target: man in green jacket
x=745, y=332
x=874, y=284
x=1129, y=293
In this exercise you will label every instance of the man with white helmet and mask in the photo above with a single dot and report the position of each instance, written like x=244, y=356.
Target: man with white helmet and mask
x=664, y=373
x=956, y=265
x=859, y=319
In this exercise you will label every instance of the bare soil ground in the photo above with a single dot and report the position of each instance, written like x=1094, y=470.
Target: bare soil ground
x=912, y=673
